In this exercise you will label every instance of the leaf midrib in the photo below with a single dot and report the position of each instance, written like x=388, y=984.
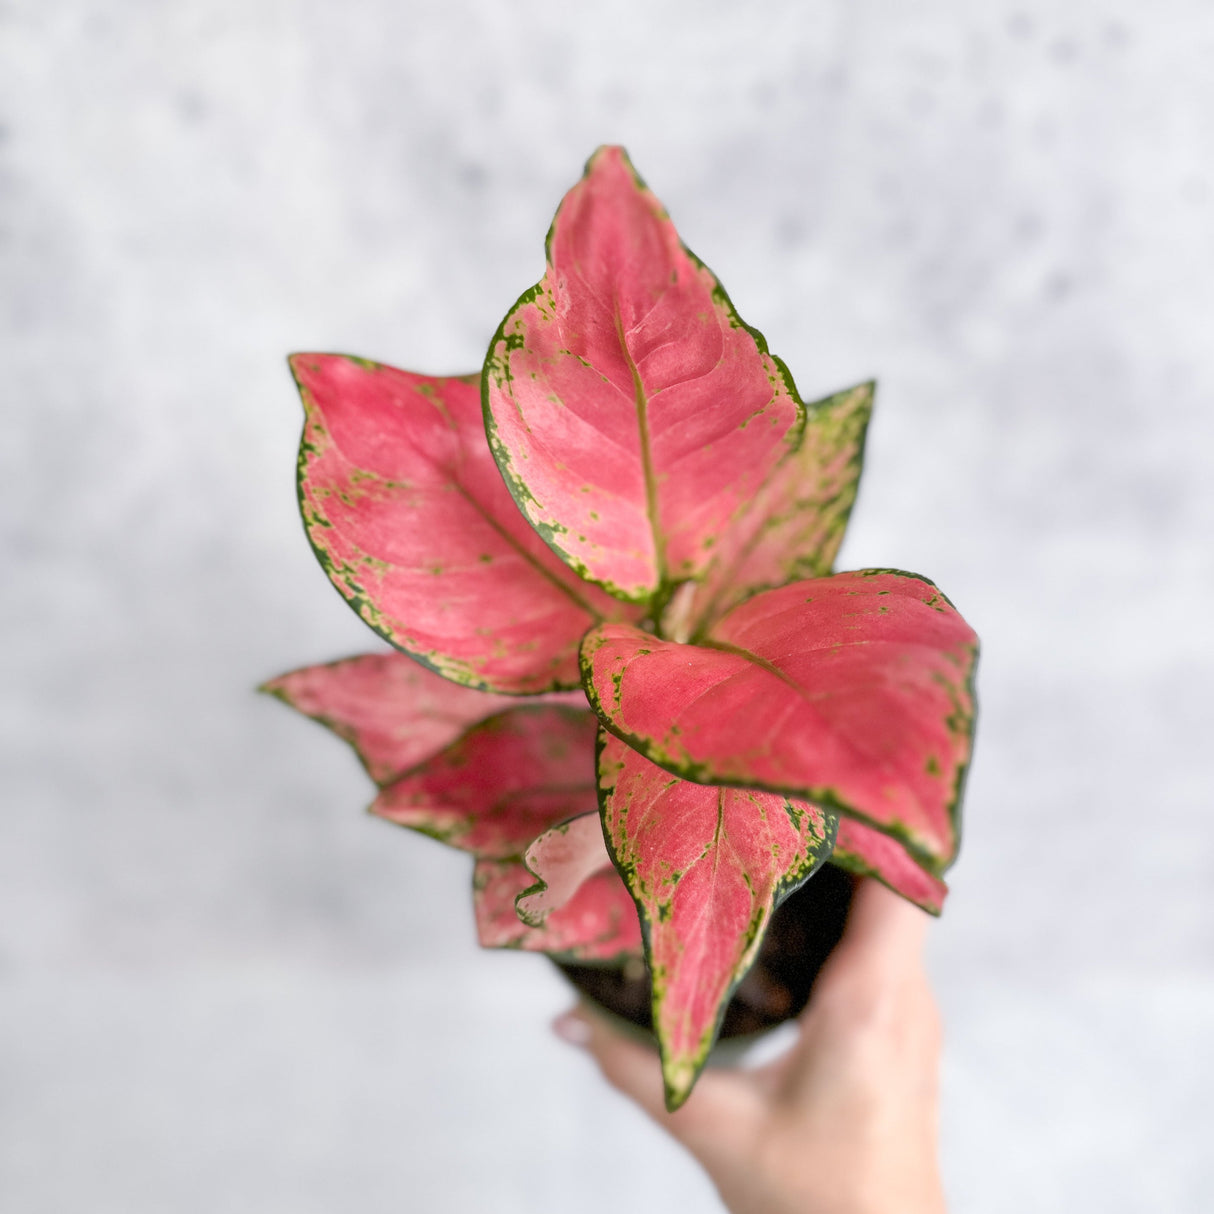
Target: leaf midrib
x=527, y=556
x=641, y=400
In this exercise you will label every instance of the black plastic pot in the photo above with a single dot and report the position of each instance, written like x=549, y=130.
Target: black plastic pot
x=802, y=932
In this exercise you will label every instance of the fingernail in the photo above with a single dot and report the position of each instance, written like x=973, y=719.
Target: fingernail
x=572, y=1028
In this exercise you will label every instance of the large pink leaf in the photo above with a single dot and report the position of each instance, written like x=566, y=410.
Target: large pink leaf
x=505, y=781
x=409, y=516
x=852, y=691
x=392, y=710
x=631, y=410
x=561, y=859
x=793, y=527
x=868, y=852
x=598, y=923
x=707, y=866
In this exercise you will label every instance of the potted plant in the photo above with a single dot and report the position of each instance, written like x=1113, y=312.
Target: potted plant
x=627, y=680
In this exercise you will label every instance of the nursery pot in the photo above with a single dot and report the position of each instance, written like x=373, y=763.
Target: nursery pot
x=803, y=930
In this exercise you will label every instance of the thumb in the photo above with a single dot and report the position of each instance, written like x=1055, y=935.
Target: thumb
x=718, y=1116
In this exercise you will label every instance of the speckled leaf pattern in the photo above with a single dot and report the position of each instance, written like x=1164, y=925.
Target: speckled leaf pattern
x=630, y=409
x=706, y=866
x=869, y=853
x=794, y=525
x=561, y=859
x=852, y=691
x=408, y=514
x=598, y=923
x=502, y=783
x=392, y=710
x=632, y=497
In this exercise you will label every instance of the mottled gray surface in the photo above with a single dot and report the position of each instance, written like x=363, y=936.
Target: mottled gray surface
x=221, y=988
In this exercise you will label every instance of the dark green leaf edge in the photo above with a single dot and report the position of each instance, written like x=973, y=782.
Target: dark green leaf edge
x=824, y=798
x=540, y=884
x=783, y=890
x=563, y=956
x=815, y=565
x=358, y=600
x=852, y=863
x=656, y=598
x=334, y=727
x=565, y=710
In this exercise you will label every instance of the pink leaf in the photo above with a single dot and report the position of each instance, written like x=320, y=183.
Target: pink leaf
x=561, y=859
x=598, y=923
x=391, y=709
x=852, y=691
x=865, y=851
x=505, y=781
x=707, y=866
x=409, y=516
x=794, y=525
x=631, y=410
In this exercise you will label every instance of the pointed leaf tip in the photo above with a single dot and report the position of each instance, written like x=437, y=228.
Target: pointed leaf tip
x=869, y=853
x=706, y=866
x=392, y=710
x=630, y=409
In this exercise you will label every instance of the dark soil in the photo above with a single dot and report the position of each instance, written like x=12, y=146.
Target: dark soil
x=801, y=934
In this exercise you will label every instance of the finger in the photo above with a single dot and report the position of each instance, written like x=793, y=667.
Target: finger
x=873, y=990
x=719, y=1114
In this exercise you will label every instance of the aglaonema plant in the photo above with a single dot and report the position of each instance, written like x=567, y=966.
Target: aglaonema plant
x=627, y=680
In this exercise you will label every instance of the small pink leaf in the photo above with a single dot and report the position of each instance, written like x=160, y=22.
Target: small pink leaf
x=598, y=923
x=707, y=866
x=391, y=709
x=793, y=527
x=852, y=691
x=505, y=781
x=631, y=410
x=409, y=516
x=561, y=859
x=865, y=851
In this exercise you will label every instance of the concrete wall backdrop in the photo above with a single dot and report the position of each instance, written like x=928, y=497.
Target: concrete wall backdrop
x=221, y=987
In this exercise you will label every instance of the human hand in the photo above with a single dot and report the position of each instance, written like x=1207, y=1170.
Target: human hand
x=845, y=1122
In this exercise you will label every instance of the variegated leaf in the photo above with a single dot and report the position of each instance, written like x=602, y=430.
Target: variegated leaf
x=391, y=709
x=631, y=410
x=598, y=923
x=505, y=781
x=793, y=526
x=561, y=860
x=408, y=514
x=869, y=853
x=707, y=866
x=852, y=691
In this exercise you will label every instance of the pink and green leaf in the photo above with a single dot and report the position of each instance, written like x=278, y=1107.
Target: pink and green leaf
x=502, y=783
x=561, y=859
x=631, y=410
x=794, y=525
x=853, y=692
x=598, y=922
x=706, y=866
x=407, y=512
x=869, y=853
x=391, y=709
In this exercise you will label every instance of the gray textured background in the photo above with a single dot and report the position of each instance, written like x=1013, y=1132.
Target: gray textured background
x=224, y=989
